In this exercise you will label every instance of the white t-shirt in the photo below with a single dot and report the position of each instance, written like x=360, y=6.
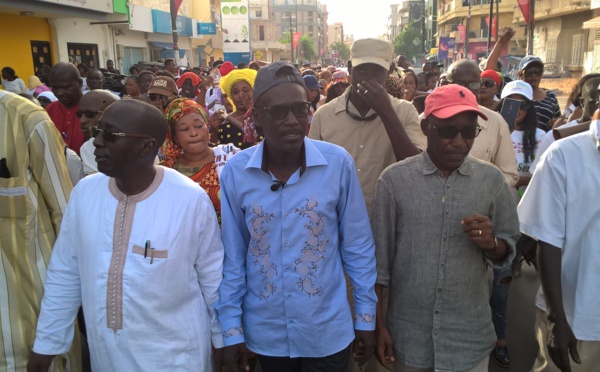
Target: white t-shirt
x=561, y=207
x=224, y=153
x=547, y=140
x=16, y=86
x=516, y=137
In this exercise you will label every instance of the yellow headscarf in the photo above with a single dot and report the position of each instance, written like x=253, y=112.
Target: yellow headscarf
x=245, y=74
x=34, y=82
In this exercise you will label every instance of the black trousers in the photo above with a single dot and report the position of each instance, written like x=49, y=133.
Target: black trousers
x=337, y=362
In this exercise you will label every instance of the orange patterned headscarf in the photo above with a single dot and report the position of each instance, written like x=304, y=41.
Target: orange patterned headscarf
x=177, y=109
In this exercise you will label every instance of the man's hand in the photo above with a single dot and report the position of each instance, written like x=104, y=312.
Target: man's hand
x=480, y=231
x=218, y=356
x=375, y=96
x=236, y=358
x=528, y=248
x=383, y=347
x=39, y=362
x=561, y=342
x=216, y=119
x=363, y=345
x=505, y=34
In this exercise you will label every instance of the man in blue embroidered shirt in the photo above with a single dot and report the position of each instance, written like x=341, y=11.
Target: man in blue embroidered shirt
x=293, y=220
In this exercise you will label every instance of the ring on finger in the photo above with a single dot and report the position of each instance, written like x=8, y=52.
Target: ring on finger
x=366, y=91
x=479, y=232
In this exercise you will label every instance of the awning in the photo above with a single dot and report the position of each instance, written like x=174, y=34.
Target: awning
x=166, y=49
x=592, y=23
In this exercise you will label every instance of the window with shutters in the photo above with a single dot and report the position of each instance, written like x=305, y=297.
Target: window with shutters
x=551, y=50
x=577, y=48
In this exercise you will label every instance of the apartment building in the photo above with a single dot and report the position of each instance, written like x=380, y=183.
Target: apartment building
x=265, y=33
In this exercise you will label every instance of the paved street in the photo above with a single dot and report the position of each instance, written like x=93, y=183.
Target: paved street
x=521, y=319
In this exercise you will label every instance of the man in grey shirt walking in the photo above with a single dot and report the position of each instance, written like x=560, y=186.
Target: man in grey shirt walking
x=439, y=219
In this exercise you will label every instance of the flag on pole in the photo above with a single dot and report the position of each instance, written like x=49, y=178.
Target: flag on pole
x=525, y=6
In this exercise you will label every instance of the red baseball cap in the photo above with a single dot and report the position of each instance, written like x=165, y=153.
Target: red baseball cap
x=450, y=100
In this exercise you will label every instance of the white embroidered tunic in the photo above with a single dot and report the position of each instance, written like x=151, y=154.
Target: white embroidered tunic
x=147, y=269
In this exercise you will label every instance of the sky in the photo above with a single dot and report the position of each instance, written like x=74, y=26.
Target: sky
x=361, y=18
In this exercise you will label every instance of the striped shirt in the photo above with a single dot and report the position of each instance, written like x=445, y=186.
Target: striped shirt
x=547, y=109
x=32, y=203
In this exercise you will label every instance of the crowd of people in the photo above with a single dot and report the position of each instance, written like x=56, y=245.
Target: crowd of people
x=297, y=217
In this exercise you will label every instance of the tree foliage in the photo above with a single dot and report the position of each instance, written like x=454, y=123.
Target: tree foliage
x=408, y=42
x=342, y=48
x=286, y=38
x=306, y=44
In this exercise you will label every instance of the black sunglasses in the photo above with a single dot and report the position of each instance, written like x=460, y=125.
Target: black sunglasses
x=450, y=132
x=472, y=85
x=279, y=112
x=488, y=83
x=88, y=114
x=155, y=96
x=534, y=71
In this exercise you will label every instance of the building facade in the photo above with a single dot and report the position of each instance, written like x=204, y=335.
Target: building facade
x=265, y=33
x=307, y=17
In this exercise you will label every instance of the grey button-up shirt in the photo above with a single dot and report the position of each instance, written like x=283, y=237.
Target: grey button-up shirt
x=439, y=314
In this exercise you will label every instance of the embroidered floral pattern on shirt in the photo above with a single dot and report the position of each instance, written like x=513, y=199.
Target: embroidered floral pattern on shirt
x=233, y=331
x=260, y=249
x=313, y=250
x=365, y=318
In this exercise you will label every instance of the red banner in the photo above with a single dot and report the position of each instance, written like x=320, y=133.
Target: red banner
x=295, y=39
x=493, y=27
x=462, y=32
x=177, y=5
x=525, y=5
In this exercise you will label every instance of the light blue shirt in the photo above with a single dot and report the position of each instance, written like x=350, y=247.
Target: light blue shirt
x=283, y=290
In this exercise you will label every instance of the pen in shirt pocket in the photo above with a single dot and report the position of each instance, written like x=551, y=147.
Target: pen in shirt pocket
x=65, y=135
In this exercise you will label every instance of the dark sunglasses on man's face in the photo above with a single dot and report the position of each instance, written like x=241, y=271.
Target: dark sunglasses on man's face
x=534, y=71
x=472, y=85
x=88, y=114
x=112, y=136
x=488, y=83
x=450, y=132
x=279, y=112
x=155, y=96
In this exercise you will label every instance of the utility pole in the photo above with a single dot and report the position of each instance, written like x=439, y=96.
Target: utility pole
x=490, y=22
x=467, y=31
x=174, y=9
x=423, y=27
x=531, y=27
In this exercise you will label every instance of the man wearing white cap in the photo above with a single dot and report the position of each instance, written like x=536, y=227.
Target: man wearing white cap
x=374, y=127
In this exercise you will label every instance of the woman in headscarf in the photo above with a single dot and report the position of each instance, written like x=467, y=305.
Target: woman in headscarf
x=189, y=83
x=187, y=148
x=35, y=86
x=237, y=127
x=46, y=98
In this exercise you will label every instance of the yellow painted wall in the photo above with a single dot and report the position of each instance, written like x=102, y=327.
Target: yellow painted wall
x=16, y=33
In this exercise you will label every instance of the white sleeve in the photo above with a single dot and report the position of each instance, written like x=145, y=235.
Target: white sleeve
x=547, y=140
x=62, y=291
x=209, y=264
x=542, y=208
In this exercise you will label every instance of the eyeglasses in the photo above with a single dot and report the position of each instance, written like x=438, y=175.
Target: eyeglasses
x=111, y=136
x=155, y=96
x=472, y=85
x=450, y=132
x=534, y=71
x=488, y=83
x=88, y=114
x=358, y=117
x=279, y=112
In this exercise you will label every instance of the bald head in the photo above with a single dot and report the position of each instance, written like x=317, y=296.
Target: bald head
x=66, y=83
x=461, y=66
x=466, y=73
x=99, y=98
x=589, y=97
x=139, y=117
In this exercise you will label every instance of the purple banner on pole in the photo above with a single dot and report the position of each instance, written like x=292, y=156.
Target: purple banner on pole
x=446, y=48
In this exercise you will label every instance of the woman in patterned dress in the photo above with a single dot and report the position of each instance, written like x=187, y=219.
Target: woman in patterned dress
x=188, y=151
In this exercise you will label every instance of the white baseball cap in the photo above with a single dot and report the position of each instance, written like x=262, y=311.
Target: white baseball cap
x=517, y=87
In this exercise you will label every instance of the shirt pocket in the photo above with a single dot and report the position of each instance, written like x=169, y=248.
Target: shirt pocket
x=153, y=256
x=13, y=199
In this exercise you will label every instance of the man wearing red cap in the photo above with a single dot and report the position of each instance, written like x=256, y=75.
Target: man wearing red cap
x=439, y=219
x=189, y=83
